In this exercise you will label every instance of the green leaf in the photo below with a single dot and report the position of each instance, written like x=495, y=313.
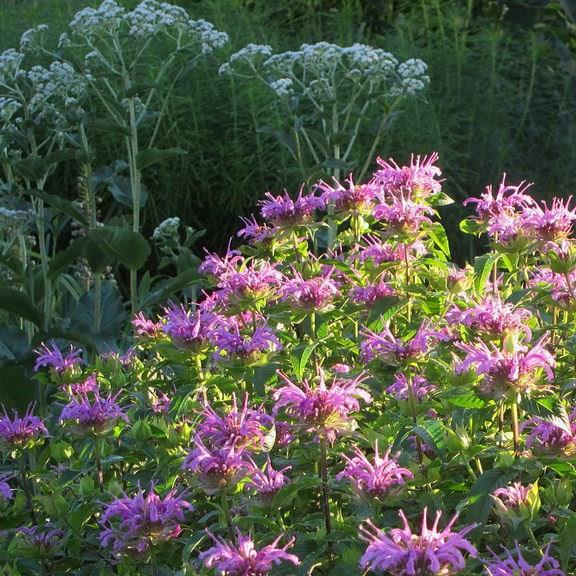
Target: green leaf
x=482, y=267
x=168, y=287
x=78, y=518
x=300, y=359
x=65, y=257
x=549, y=408
x=151, y=156
x=33, y=169
x=463, y=398
x=432, y=433
x=20, y=304
x=120, y=188
x=567, y=540
x=438, y=235
x=61, y=204
x=470, y=226
x=124, y=245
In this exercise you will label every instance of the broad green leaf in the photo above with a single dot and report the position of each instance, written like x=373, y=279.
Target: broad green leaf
x=438, y=235
x=65, y=257
x=431, y=432
x=549, y=408
x=483, y=265
x=61, y=204
x=124, y=245
x=20, y=304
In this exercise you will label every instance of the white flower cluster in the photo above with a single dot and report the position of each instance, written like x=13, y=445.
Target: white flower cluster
x=10, y=61
x=149, y=18
x=8, y=107
x=10, y=217
x=168, y=228
x=31, y=38
x=320, y=70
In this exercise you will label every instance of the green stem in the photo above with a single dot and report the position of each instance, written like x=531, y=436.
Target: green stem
x=324, y=479
x=27, y=488
x=98, y=461
x=227, y=516
x=515, y=427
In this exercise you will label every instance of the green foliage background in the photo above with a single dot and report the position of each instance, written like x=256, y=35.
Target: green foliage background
x=502, y=99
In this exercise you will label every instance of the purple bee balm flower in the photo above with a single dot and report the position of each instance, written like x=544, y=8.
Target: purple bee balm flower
x=284, y=434
x=266, y=483
x=45, y=539
x=282, y=211
x=90, y=384
x=315, y=294
x=186, y=327
x=5, y=490
x=242, y=558
x=510, y=566
x=134, y=523
x=505, y=370
x=322, y=411
x=93, y=416
x=244, y=428
x=372, y=293
x=21, y=431
x=216, y=469
x=215, y=265
x=508, y=199
x=377, y=479
x=245, y=344
x=402, y=215
x=257, y=280
x=418, y=179
x=254, y=232
x=145, y=327
x=377, y=252
x=385, y=347
x=420, y=386
x=50, y=356
x=512, y=496
x=403, y=553
x=546, y=436
x=550, y=223
x=493, y=317
x=561, y=286
x=160, y=402
x=354, y=198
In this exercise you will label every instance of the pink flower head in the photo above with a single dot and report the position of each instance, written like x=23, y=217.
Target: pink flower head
x=377, y=252
x=216, y=469
x=420, y=386
x=95, y=415
x=44, y=539
x=561, y=286
x=89, y=384
x=255, y=233
x=21, y=431
x=507, y=200
x=244, y=559
x=372, y=293
x=506, y=369
x=511, y=566
x=187, y=328
x=492, y=316
x=354, y=198
x=386, y=347
x=321, y=410
x=550, y=223
x=512, y=496
x=315, y=294
x=266, y=483
x=377, y=479
x=546, y=436
x=160, y=402
x=215, y=265
x=282, y=211
x=244, y=428
x=418, y=179
x=5, y=490
x=402, y=215
x=245, y=344
x=145, y=327
x=134, y=523
x=403, y=553
x=50, y=356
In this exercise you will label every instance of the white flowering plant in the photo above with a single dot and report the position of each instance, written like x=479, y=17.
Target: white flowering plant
x=328, y=95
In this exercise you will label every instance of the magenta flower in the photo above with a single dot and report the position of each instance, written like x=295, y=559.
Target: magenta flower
x=492, y=316
x=546, y=436
x=372, y=293
x=160, y=402
x=21, y=431
x=418, y=179
x=322, y=411
x=512, y=496
x=284, y=433
x=186, y=327
x=216, y=469
x=244, y=559
x=387, y=348
x=510, y=566
x=376, y=252
x=503, y=370
x=93, y=416
x=244, y=428
x=50, y=356
x=255, y=233
x=90, y=384
x=402, y=215
x=377, y=479
x=403, y=553
x=134, y=523
x=315, y=294
x=561, y=286
x=420, y=386
x=550, y=223
x=266, y=483
x=5, y=490
x=354, y=198
x=282, y=211
x=215, y=265
x=254, y=282
x=145, y=327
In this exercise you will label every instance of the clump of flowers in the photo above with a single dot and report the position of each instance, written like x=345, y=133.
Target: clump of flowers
x=549, y=437
x=243, y=558
x=514, y=564
x=404, y=553
x=420, y=387
x=134, y=523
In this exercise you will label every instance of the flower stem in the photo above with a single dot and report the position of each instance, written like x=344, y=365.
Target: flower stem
x=226, y=511
x=98, y=461
x=324, y=478
x=515, y=427
x=27, y=488
x=413, y=403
